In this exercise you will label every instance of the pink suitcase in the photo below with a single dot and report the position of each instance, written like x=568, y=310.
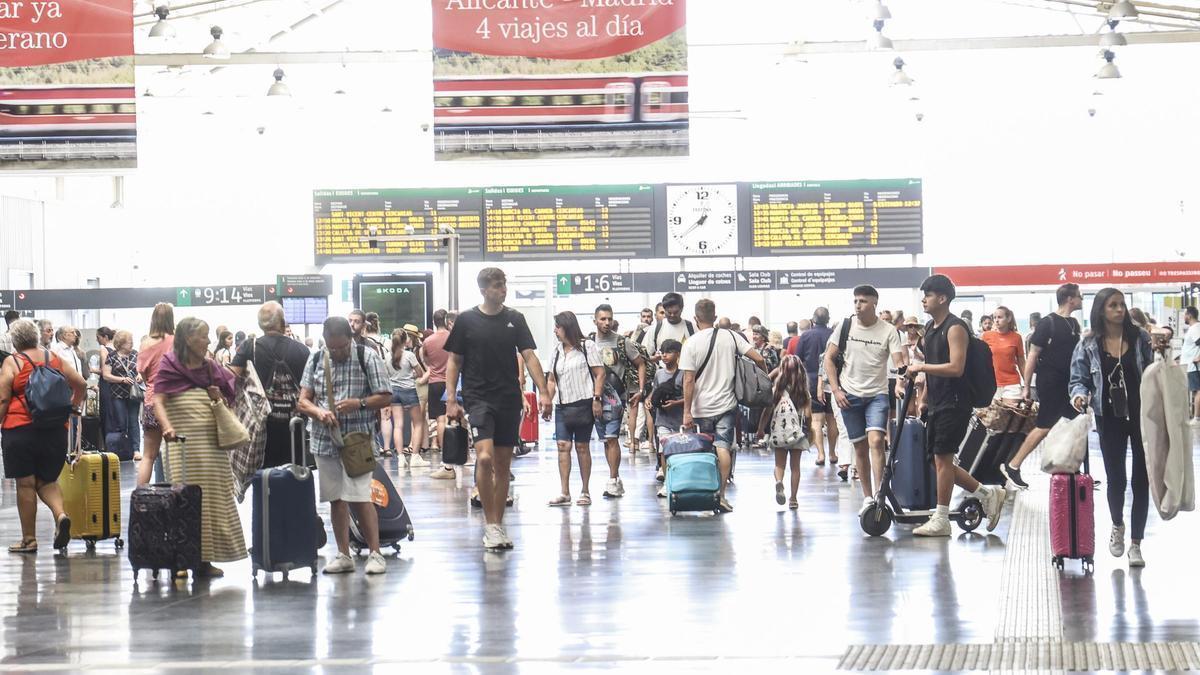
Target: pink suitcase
x=1072, y=519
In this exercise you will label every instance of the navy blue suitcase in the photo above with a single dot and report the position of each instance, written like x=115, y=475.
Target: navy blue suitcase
x=394, y=521
x=913, y=477
x=286, y=532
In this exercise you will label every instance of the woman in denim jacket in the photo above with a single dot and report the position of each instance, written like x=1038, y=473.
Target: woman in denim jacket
x=1106, y=370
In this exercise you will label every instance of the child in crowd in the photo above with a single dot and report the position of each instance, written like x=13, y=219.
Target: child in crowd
x=666, y=401
x=787, y=421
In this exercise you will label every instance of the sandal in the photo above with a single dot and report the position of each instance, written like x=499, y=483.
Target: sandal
x=209, y=572
x=820, y=461
x=24, y=546
x=793, y=504
x=62, y=532
x=833, y=460
x=561, y=500
x=584, y=500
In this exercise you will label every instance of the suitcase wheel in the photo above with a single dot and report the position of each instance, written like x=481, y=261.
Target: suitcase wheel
x=972, y=515
x=90, y=543
x=285, y=575
x=410, y=532
x=313, y=567
x=396, y=548
x=119, y=543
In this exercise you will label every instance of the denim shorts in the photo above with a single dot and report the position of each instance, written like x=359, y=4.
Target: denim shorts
x=574, y=422
x=1194, y=381
x=720, y=427
x=865, y=414
x=405, y=397
x=608, y=424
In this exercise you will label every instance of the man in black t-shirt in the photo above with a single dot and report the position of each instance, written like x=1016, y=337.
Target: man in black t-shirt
x=1050, y=348
x=483, y=347
x=947, y=400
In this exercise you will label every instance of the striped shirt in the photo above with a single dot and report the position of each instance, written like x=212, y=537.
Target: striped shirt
x=571, y=371
x=349, y=381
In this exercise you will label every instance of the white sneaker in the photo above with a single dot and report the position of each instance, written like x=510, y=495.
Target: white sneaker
x=613, y=488
x=1135, y=556
x=417, y=461
x=1195, y=422
x=376, y=564
x=444, y=473
x=661, y=475
x=936, y=526
x=507, y=540
x=341, y=564
x=493, y=537
x=1116, y=541
x=993, y=505
x=621, y=486
x=867, y=501
x=662, y=491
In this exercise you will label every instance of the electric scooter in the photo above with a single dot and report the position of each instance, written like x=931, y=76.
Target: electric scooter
x=877, y=518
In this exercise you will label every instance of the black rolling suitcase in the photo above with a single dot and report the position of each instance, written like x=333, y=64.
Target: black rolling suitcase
x=285, y=528
x=394, y=521
x=983, y=450
x=164, y=524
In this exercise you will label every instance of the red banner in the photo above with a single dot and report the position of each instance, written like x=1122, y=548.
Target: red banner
x=1090, y=274
x=42, y=32
x=554, y=29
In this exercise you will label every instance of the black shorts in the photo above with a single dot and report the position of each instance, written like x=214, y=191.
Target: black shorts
x=892, y=399
x=437, y=407
x=818, y=408
x=945, y=430
x=500, y=425
x=40, y=453
x=1053, y=403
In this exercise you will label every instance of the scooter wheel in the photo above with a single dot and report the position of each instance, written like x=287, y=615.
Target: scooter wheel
x=876, y=520
x=972, y=515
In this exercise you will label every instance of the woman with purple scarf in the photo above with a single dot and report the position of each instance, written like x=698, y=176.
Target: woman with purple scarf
x=187, y=386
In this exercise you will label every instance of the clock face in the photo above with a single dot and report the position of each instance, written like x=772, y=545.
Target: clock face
x=702, y=220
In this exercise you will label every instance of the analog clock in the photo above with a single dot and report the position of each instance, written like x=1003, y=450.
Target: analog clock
x=702, y=220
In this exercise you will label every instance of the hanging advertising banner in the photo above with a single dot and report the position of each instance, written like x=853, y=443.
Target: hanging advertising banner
x=66, y=85
x=559, y=78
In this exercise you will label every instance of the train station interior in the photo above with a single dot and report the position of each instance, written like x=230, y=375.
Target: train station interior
x=767, y=156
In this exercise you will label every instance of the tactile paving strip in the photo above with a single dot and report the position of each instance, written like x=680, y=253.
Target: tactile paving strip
x=1040, y=655
x=1029, y=606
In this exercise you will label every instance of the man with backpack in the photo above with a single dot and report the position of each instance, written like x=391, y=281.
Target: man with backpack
x=279, y=363
x=947, y=399
x=672, y=327
x=708, y=362
x=625, y=385
x=856, y=366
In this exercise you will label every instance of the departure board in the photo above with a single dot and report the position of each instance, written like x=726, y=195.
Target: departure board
x=353, y=225
x=579, y=221
x=836, y=217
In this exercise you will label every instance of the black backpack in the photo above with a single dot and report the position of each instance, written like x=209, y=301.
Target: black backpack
x=979, y=372
x=48, y=396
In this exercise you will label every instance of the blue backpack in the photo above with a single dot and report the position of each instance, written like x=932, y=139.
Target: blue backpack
x=48, y=396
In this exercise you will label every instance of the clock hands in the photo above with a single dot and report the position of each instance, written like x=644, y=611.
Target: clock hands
x=697, y=224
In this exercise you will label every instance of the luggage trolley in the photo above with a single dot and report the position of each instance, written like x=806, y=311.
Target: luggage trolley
x=877, y=518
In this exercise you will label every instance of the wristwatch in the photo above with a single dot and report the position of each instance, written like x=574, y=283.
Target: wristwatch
x=362, y=404
x=596, y=398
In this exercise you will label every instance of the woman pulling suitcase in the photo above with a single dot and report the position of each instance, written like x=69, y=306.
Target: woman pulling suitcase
x=1106, y=370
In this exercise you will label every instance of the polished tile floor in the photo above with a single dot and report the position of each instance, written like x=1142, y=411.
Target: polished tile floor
x=620, y=584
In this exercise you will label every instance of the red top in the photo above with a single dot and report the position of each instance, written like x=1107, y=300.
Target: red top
x=18, y=414
x=1008, y=355
x=436, y=355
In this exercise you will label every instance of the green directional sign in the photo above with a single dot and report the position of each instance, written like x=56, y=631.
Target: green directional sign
x=564, y=284
x=183, y=297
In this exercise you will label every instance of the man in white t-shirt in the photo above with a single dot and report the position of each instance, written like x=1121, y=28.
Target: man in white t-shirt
x=860, y=387
x=671, y=327
x=1189, y=358
x=707, y=362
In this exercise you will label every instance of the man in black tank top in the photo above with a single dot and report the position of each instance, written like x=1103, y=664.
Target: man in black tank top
x=947, y=401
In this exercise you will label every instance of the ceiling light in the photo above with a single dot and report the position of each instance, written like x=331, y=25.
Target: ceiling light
x=1109, y=70
x=161, y=28
x=900, y=78
x=279, y=88
x=216, y=49
x=1122, y=10
x=880, y=12
x=879, y=41
x=1112, y=38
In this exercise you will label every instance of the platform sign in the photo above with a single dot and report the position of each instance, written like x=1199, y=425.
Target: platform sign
x=304, y=285
x=836, y=217
x=578, y=221
x=202, y=296
x=8, y=300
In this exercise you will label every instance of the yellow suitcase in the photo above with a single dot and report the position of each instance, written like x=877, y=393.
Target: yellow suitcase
x=91, y=487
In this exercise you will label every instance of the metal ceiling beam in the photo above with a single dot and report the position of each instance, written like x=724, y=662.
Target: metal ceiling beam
x=279, y=58
x=1016, y=42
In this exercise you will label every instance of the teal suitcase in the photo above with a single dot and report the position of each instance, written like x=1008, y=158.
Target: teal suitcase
x=692, y=482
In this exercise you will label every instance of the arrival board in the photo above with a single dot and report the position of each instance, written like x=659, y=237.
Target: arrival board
x=568, y=222
x=836, y=217
x=356, y=224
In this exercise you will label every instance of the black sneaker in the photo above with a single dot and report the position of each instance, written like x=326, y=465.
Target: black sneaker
x=1013, y=475
x=844, y=473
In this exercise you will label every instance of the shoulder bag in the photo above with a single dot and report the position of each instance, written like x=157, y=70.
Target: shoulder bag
x=357, y=448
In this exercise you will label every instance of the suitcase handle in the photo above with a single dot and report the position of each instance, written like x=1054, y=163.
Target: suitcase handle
x=181, y=439
x=295, y=422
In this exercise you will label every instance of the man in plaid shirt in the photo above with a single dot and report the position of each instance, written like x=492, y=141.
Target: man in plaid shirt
x=360, y=387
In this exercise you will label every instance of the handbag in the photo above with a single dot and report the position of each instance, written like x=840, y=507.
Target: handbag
x=230, y=432
x=137, y=391
x=1066, y=445
x=357, y=448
